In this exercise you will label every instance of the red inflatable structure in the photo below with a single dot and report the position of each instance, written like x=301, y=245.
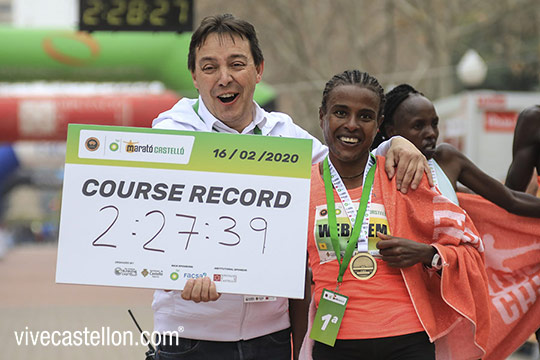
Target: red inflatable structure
x=47, y=117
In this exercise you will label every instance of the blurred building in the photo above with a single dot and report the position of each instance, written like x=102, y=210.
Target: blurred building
x=481, y=124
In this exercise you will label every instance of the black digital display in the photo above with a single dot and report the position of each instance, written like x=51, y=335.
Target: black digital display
x=136, y=15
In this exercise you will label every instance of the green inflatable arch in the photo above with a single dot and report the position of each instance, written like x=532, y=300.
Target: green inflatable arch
x=31, y=54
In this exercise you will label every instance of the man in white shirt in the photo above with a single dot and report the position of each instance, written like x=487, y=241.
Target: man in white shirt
x=226, y=63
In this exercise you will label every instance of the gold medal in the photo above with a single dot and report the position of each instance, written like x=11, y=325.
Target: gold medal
x=363, y=266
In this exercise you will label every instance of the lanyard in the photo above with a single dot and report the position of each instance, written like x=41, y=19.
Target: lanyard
x=431, y=164
x=256, y=130
x=331, y=207
x=349, y=206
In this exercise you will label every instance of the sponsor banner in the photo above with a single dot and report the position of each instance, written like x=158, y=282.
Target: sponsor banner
x=154, y=209
x=492, y=101
x=501, y=121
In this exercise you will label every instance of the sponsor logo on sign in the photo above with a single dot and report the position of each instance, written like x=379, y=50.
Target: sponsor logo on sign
x=91, y=144
x=155, y=273
x=114, y=146
x=119, y=271
x=194, y=275
x=225, y=278
x=135, y=147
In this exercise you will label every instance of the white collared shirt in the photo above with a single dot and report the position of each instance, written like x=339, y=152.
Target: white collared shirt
x=259, y=119
x=182, y=116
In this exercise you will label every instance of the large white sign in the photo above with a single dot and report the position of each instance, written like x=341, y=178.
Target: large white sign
x=142, y=209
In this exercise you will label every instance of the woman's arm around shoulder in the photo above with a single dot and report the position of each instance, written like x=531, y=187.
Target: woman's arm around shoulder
x=460, y=168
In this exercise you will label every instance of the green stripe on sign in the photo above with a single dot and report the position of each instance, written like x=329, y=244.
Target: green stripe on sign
x=211, y=152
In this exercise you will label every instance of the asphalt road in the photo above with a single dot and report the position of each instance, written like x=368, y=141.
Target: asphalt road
x=40, y=319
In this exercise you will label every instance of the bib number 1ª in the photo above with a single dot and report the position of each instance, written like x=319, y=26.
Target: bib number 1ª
x=328, y=317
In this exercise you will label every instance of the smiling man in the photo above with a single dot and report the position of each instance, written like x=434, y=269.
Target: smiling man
x=225, y=75
x=226, y=63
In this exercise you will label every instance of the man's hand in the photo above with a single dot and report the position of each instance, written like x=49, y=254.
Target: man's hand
x=410, y=162
x=200, y=289
x=402, y=253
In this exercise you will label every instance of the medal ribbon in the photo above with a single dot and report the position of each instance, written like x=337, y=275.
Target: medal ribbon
x=367, y=187
x=433, y=172
x=348, y=204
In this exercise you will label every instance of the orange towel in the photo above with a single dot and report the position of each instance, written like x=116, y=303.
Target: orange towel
x=453, y=308
x=513, y=266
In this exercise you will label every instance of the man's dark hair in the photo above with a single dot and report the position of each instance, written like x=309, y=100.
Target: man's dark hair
x=224, y=24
